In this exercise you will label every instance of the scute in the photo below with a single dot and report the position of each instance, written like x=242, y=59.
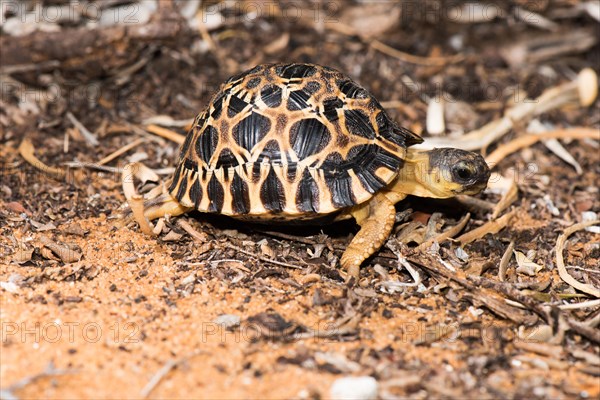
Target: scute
x=206, y=143
x=251, y=130
x=308, y=136
x=288, y=141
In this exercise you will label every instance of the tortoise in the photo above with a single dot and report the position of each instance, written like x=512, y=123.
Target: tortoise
x=299, y=142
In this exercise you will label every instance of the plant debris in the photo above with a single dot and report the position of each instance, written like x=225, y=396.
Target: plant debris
x=493, y=296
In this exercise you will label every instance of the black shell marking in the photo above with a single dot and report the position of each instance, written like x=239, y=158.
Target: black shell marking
x=251, y=130
x=196, y=192
x=236, y=106
x=340, y=185
x=216, y=195
x=330, y=109
x=352, y=90
x=295, y=71
x=206, y=143
x=240, y=195
x=252, y=83
x=182, y=186
x=217, y=106
x=272, y=193
x=297, y=100
x=309, y=136
x=307, y=196
x=271, y=96
x=357, y=123
x=271, y=151
x=226, y=159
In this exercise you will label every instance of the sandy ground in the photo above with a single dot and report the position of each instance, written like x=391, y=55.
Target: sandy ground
x=92, y=310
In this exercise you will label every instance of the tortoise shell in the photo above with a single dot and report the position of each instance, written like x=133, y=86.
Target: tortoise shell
x=288, y=141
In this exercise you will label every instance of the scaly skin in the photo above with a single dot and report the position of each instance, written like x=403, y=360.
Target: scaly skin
x=376, y=219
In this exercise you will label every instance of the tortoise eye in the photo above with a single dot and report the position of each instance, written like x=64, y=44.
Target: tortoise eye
x=463, y=171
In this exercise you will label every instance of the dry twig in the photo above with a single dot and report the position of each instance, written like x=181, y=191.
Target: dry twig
x=505, y=260
x=489, y=227
x=8, y=393
x=120, y=151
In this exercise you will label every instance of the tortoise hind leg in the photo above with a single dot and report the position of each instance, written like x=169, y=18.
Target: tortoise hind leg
x=376, y=219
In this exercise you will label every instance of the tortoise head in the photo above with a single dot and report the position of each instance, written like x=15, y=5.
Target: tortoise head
x=445, y=172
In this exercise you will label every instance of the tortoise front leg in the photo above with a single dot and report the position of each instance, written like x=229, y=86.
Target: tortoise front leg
x=376, y=219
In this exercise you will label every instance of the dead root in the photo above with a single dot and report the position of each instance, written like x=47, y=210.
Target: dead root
x=560, y=263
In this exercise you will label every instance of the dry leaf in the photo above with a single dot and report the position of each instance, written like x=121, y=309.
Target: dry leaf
x=267, y=250
x=371, y=19
x=540, y=333
x=526, y=266
x=23, y=255
x=278, y=44
x=172, y=236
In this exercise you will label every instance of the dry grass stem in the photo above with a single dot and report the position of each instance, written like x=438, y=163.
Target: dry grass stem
x=27, y=151
x=165, y=133
x=88, y=136
x=525, y=141
x=560, y=263
x=163, y=371
x=509, y=197
x=121, y=151
x=489, y=227
x=412, y=59
x=199, y=236
x=583, y=304
x=265, y=259
x=166, y=120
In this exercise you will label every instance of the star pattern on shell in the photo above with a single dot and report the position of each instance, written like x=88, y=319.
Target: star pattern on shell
x=288, y=141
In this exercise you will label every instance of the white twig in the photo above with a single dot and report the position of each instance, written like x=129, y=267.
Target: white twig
x=87, y=135
x=583, y=304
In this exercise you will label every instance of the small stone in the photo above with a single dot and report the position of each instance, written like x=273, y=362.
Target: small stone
x=227, y=320
x=189, y=279
x=10, y=287
x=354, y=388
